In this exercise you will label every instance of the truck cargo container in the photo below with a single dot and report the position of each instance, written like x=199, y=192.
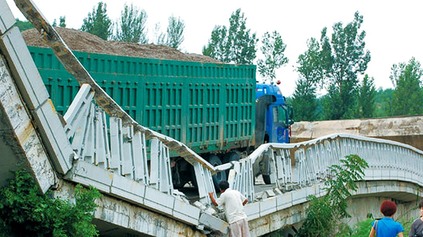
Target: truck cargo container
x=210, y=107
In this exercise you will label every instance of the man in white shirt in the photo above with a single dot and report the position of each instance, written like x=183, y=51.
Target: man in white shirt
x=233, y=202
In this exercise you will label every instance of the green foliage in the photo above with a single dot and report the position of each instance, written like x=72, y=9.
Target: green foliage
x=360, y=229
x=175, y=32
x=324, y=213
x=319, y=221
x=408, y=94
x=217, y=45
x=310, y=64
x=23, y=25
x=331, y=102
x=383, y=103
x=366, y=97
x=24, y=211
x=335, y=62
x=234, y=45
x=273, y=50
x=343, y=180
x=174, y=35
x=304, y=101
x=310, y=70
x=62, y=22
x=131, y=25
x=98, y=22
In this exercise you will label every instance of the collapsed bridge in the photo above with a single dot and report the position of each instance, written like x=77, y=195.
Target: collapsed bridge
x=97, y=143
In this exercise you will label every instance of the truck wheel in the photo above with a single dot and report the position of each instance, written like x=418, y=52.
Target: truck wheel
x=266, y=178
x=231, y=156
x=215, y=161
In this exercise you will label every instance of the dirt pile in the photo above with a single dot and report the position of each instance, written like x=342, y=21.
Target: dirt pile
x=86, y=42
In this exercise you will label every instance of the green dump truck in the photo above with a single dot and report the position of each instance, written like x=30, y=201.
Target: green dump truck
x=210, y=107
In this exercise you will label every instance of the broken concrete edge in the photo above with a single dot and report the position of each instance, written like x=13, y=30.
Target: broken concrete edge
x=24, y=132
x=109, y=183
x=125, y=215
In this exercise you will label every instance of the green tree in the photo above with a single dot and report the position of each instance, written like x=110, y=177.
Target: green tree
x=234, y=45
x=311, y=72
x=175, y=32
x=366, y=97
x=24, y=211
x=273, y=50
x=408, y=94
x=216, y=47
x=324, y=214
x=98, y=22
x=23, y=25
x=304, y=101
x=383, y=102
x=131, y=25
x=343, y=57
x=62, y=22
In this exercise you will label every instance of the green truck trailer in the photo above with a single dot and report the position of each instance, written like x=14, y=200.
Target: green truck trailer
x=210, y=107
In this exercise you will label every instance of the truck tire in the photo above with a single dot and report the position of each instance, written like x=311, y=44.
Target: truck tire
x=215, y=161
x=231, y=156
x=266, y=178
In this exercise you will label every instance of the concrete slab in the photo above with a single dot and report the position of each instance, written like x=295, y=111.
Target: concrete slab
x=89, y=174
x=54, y=137
x=128, y=189
x=6, y=17
x=20, y=133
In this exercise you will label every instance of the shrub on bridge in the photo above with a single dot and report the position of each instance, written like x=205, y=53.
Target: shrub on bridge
x=24, y=211
x=324, y=213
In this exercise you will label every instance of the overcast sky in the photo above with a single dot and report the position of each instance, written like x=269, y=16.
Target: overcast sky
x=394, y=28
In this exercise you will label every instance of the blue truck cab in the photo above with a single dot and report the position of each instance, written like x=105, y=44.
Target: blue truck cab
x=274, y=116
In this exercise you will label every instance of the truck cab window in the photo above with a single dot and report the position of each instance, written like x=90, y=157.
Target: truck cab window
x=280, y=115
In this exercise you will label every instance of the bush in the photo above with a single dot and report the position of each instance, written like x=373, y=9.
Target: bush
x=324, y=214
x=24, y=211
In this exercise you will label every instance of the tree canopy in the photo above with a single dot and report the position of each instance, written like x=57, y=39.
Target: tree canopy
x=408, y=93
x=175, y=32
x=98, y=22
x=366, y=98
x=336, y=62
x=62, y=22
x=310, y=72
x=131, y=26
x=273, y=49
x=235, y=44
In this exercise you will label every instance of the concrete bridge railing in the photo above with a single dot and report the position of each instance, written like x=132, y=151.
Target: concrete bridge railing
x=303, y=164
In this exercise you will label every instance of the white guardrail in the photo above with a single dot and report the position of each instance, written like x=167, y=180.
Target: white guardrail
x=302, y=164
x=123, y=150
